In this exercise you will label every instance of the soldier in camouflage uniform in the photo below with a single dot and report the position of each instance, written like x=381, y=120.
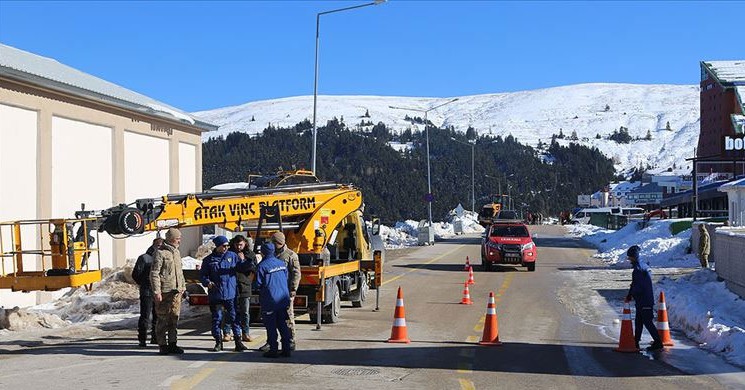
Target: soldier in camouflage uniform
x=293, y=277
x=167, y=280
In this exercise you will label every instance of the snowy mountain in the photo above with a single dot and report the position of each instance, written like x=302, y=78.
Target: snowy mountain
x=529, y=116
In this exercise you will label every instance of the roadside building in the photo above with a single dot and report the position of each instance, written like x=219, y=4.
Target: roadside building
x=67, y=137
x=619, y=191
x=647, y=196
x=735, y=191
x=722, y=118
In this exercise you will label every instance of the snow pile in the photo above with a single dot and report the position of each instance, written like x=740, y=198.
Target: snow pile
x=115, y=295
x=17, y=319
x=707, y=312
x=659, y=248
x=468, y=219
x=189, y=262
x=403, y=234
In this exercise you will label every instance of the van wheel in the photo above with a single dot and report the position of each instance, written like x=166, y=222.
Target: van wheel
x=531, y=267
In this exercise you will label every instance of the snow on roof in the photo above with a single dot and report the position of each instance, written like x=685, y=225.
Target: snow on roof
x=61, y=76
x=733, y=185
x=646, y=189
x=728, y=71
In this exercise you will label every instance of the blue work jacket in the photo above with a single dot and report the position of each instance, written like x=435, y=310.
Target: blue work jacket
x=221, y=269
x=641, y=285
x=271, y=280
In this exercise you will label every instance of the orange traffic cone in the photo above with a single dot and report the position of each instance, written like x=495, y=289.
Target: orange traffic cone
x=398, y=332
x=663, y=328
x=626, y=343
x=467, y=265
x=470, y=276
x=491, y=325
x=466, y=296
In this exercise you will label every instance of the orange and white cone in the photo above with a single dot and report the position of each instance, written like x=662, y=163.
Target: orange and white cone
x=626, y=342
x=467, y=265
x=663, y=327
x=466, y=295
x=398, y=332
x=470, y=276
x=491, y=325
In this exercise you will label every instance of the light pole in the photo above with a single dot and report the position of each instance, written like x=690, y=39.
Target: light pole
x=315, y=71
x=473, y=180
x=426, y=131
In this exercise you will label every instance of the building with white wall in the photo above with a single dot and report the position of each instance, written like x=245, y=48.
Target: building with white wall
x=736, y=201
x=67, y=137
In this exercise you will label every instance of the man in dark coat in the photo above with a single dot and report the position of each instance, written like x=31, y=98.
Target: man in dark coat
x=218, y=274
x=141, y=275
x=641, y=292
x=274, y=296
x=240, y=246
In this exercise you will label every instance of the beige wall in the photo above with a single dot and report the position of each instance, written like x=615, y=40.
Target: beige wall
x=77, y=151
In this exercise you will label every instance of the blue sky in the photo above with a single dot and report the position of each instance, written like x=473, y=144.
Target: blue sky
x=203, y=55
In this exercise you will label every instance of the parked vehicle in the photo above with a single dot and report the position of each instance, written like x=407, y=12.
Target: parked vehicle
x=583, y=215
x=508, y=243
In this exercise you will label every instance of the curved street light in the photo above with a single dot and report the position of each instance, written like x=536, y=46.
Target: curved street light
x=426, y=130
x=315, y=71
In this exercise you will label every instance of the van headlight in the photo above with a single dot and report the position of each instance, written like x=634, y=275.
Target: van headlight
x=528, y=246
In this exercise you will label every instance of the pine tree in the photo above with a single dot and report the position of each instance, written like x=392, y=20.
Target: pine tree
x=607, y=108
x=667, y=127
x=573, y=137
x=367, y=114
x=253, y=119
x=561, y=134
x=471, y=133
x=649, y=135
x=597, y=136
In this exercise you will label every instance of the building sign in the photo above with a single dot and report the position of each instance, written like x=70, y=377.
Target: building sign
x=584, y=200
x=733, y=143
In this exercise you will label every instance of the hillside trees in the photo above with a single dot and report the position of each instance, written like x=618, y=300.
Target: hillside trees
x=394, y=183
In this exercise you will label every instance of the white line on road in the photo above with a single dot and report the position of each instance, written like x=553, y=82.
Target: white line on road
x=198, y=363
x=170, y=380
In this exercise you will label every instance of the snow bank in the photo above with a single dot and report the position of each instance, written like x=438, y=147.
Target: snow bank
x=659, y=248
x=707, y=312
x=405, y=234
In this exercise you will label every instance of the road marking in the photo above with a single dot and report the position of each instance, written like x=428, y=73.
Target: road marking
x=479, y=327
x=417, y=269
x=198, y=364
x=472, y=339
x=465, y=384
x=465, y=368
x=170, y=380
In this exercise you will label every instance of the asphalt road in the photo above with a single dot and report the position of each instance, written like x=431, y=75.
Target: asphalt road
x=545, y=346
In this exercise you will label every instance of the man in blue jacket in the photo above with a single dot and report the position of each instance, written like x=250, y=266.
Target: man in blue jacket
x=274, y=296
x=641, y=292
x=218, y=274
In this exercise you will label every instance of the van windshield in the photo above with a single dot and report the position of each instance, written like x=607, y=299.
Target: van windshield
x=509, y=231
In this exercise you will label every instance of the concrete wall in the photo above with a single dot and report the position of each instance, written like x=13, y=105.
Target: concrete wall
x=730, y=262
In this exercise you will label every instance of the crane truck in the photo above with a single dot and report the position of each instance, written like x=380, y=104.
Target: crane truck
x=341, y=256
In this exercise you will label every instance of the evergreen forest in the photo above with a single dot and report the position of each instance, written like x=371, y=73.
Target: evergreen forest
x=394, y=184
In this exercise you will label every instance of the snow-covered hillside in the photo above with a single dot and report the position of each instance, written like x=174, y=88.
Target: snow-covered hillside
x=529, y=116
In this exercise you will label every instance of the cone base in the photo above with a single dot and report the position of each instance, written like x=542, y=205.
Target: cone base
x=471, y=283
x=627, y=350
x=490, y=343
x=466, y=303
x=405, y=341
x=668, y=344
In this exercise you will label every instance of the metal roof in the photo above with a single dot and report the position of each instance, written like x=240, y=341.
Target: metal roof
x=727, y=71
x=48, y=72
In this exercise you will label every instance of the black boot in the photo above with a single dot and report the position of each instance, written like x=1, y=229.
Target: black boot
x=218, y=346
x=163, y=350
x=656, y=346
x=142, y=341
x=265, y=347
x=272, y=353
x=173, y=348
x=239, y=345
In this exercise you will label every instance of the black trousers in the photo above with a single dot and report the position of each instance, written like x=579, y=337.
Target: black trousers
x=645, y=316
x=147, y=317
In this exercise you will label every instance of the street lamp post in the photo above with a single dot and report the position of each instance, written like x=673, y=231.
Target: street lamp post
x=315, y=71
x=426, y=130
x=473, y=180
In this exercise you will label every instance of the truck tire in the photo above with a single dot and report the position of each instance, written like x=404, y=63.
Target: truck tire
x=330, y=313
x=531, y=267
x=362, y=294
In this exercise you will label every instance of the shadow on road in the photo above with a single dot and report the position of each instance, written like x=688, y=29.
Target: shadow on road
x=561, y=242
x=511, y=357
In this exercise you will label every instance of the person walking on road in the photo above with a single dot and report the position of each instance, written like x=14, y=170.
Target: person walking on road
x=641, y=292
x=274, y=296
x=167, y=281
x=141, y=275
x=218, y=274
x=704, y=245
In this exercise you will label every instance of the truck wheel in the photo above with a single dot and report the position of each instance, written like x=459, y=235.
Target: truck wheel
x=362, y=294
x=330, y=314
x=531, y=267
